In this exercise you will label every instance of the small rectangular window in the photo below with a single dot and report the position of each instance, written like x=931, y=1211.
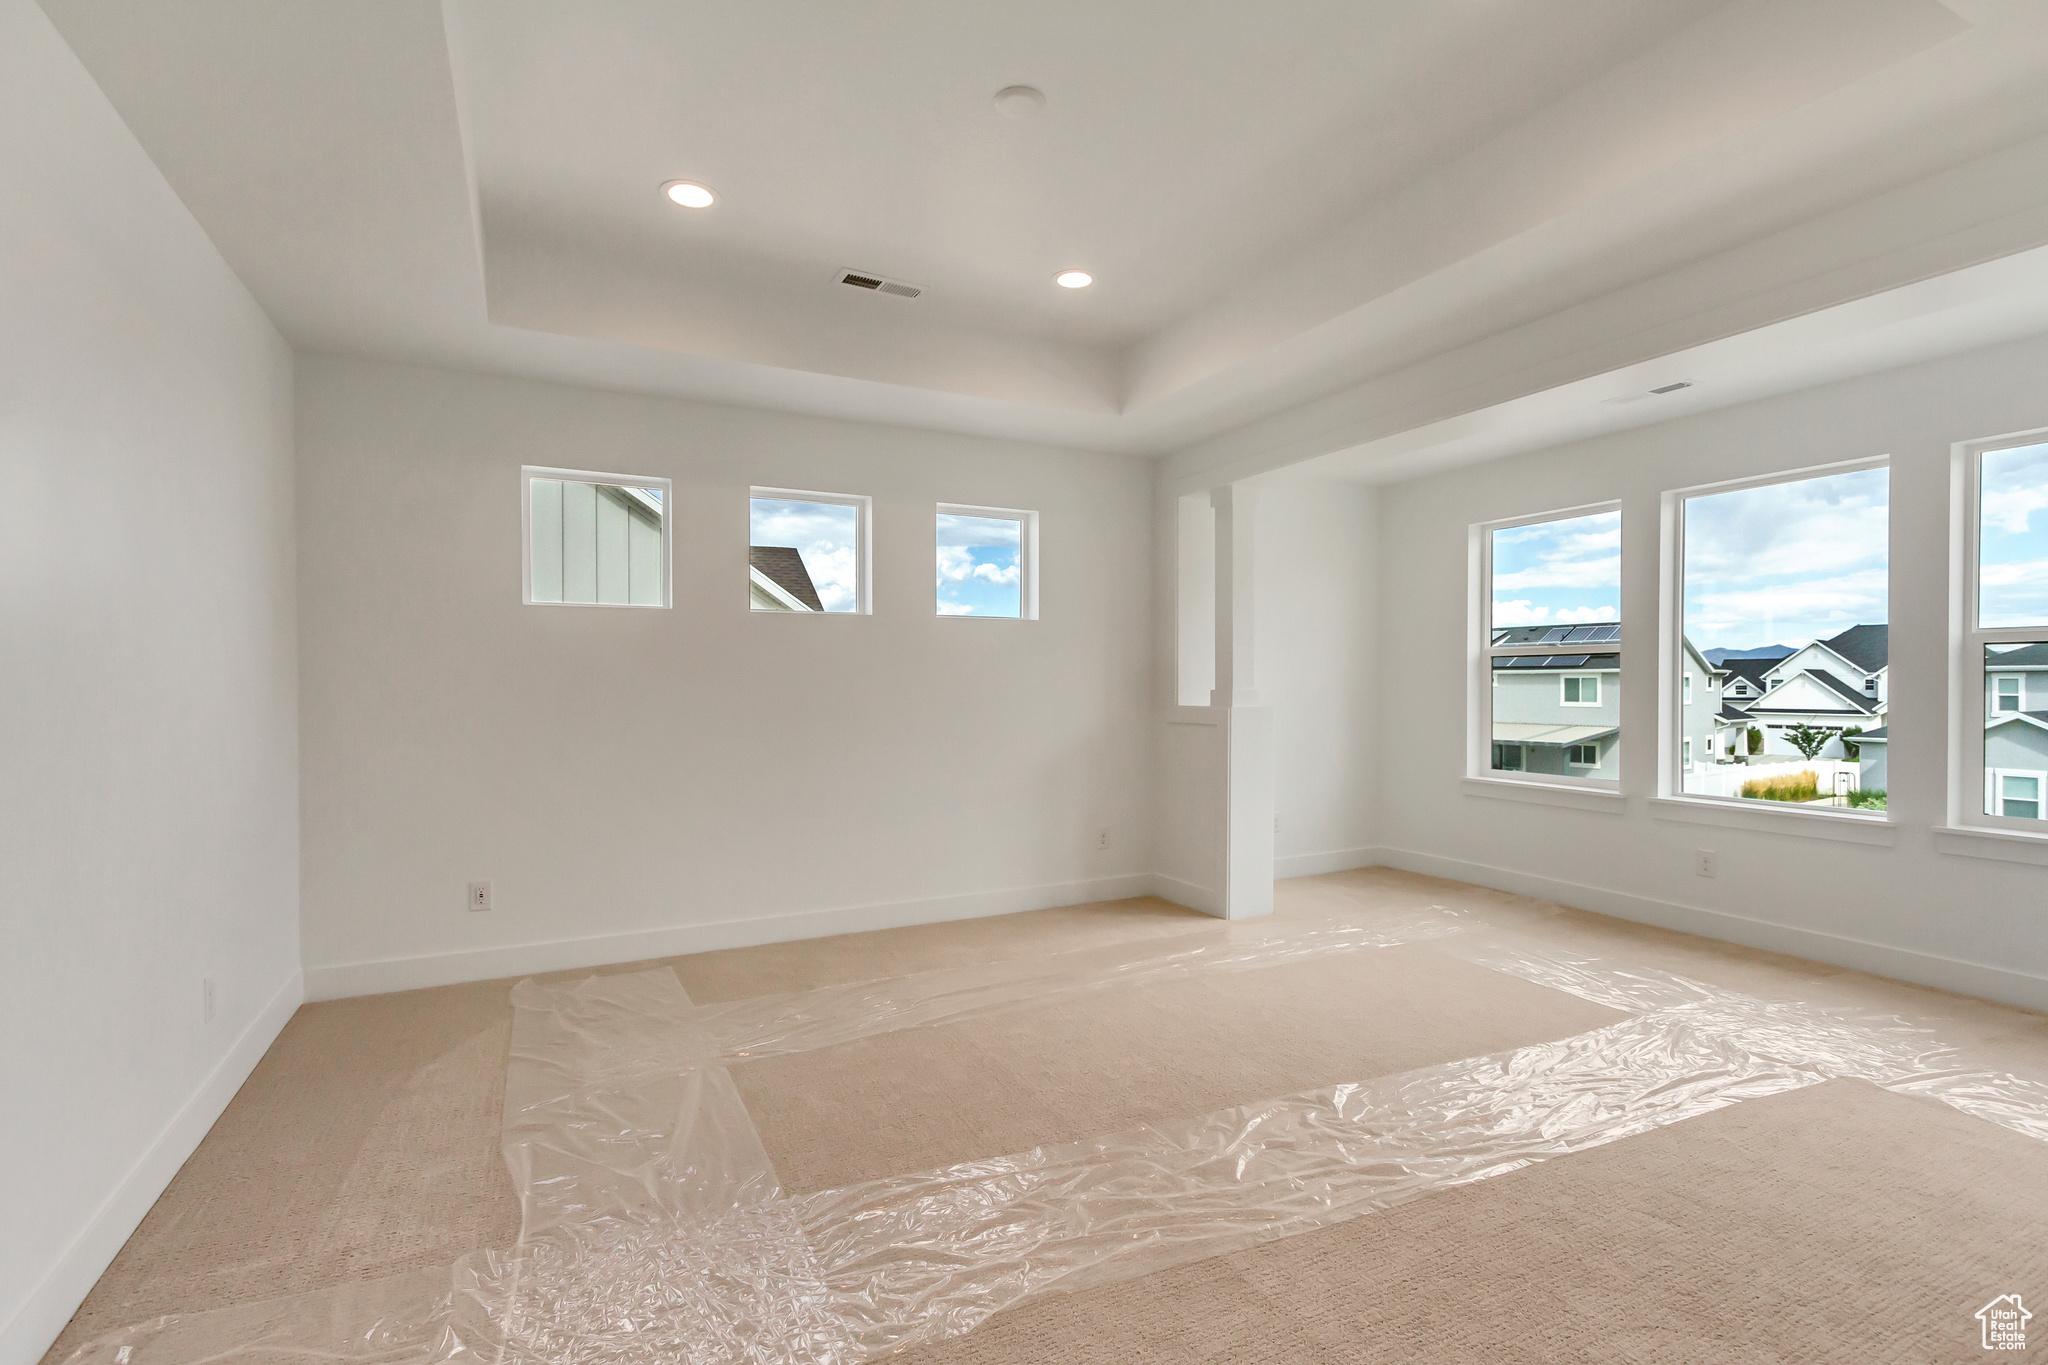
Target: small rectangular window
x=2007, y=644
x=807, y=552
x=1688, y=689
x=1796, y=570
x=595, y=539
x=1548, y=600
x=987, y=562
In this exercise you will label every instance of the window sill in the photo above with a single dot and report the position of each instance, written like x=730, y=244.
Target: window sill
x=1999, y=845
x=1546, y=794
x=1194, y=715
x=1841, y=826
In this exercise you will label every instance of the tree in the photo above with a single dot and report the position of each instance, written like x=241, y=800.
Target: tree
x=1851, y=751
x=1756, y=740
x=1808, y=740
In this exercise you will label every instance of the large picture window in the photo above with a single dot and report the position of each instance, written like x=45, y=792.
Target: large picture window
x=1783, y=648
x=599, y=540
x=1551, y=596
x=2006, y=638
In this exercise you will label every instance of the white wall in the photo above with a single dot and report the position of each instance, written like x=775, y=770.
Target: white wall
x=1909, y=910
x=148, y=785
x=639, y=782
x=1319, y=656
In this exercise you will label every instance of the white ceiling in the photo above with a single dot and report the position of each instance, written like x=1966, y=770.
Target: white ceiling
x=1286, y=206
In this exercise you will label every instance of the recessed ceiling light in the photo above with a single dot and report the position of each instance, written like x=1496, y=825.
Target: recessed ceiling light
x=689, y=194
x=1019, y=101
x=1073, y=279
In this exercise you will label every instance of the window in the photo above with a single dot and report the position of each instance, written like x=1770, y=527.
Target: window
x=987, y=562
x=1794, y=569
x=2006, y=645
x=595, y=539
x=1688, y=689
x=1545, y=690
x=807, y=552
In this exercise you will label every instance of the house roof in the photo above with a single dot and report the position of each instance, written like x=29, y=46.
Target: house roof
x=784, y=565
x=1877, y=736
x=2039, y=718
x=2025, y=655
x=1512, y=733
x=1588, y=662
x=1586, y=633
x=1855, y=695
x=1751, y=669
x=1867, y=647
x=1733, y=712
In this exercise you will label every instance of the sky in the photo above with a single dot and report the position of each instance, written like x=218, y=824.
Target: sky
x=2014, y=539
x=1787, y=563
x=823, y=533
x=978, y=571
x=1558, y=572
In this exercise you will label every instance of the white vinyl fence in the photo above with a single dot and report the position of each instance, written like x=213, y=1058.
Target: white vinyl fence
x=1726, y=779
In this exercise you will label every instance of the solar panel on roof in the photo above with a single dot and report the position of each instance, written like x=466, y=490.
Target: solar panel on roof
x=1530, y=661
x=1568, y=660
x=1500, y=636
x=1554, y=636
x=1605, y=634
x=1581, y=633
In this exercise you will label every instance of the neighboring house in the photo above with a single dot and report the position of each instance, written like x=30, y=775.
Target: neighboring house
x=1731, y=730
x=2016, y=733
x=1699, y=695
x=1873, y=759
x=1743, y=679
x=778, y=581
x=1830, y=685
x=1558, y=714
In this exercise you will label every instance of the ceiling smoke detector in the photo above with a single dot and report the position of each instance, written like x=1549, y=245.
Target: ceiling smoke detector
x=1019, y=101
x=879, y=284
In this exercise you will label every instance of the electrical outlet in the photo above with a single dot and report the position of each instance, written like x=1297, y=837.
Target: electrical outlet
x=1707, y=863
x=479, y=895
x=1276, y=824
x=206, y=995
x=1102, y=837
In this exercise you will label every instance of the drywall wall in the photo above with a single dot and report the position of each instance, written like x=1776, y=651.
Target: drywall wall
x=1317, y=645
x=148, y=812
x=1910, y=910
x=641, y=781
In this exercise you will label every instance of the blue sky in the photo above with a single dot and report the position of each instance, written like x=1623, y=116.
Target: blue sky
x=1558, y=572
x=823, y=533
x=1789, y=562
x=2015, y=538
x=978, y=571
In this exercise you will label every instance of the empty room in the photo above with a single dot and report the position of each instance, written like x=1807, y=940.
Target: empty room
x=1369, y=560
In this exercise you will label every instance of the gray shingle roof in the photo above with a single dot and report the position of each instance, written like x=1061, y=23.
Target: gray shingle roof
x=1752, y=669
x=785, y=565
x=1867, y=647
x=2025, y=654
x=1853, y=694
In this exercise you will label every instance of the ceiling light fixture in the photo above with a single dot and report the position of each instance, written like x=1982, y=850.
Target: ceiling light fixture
x=689, y=194
x=1073, y=279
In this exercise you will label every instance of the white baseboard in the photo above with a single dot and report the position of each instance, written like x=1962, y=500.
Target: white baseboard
x=1879, y=959
x=338, y=980
x=49, y=1306
x=1202, y=898
x=1314, y=864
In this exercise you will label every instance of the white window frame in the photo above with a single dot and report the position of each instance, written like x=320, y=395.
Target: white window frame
x=528, y=473
x=1571, y=749
x=1480, y=682
x=1970, y=789
x=1994, y=795
x=1027, y=556
x=1581, y=679
x=1672, y=762
x=863, y=511
x=1687, y=680
x=2019, y=692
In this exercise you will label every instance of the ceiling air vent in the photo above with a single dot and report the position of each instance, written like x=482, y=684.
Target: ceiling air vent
x=880, y=284
x=1674, y=388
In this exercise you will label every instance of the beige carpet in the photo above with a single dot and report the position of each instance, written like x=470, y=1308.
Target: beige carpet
x=366, y=1142
x=1838, y=1223
x=1118, y=1058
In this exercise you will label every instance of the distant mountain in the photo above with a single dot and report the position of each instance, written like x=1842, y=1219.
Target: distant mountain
x=1717, y=657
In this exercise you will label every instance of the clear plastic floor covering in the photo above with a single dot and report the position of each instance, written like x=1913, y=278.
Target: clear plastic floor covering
x=654, y=1229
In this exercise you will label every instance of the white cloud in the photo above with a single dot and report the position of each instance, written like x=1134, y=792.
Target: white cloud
x=955, y=609
x=956, y=563
x=954, y=529
x=831, y=569
x=1001, y=577
x=1523, y=612
x=2009, y=509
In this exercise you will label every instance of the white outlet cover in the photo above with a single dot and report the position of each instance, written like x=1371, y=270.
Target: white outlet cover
x=479, y=895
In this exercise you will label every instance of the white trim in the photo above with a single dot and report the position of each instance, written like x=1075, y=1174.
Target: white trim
x=1904, y=964
x=2019, y=696
x=863, y=511
x=790, y=601
x=1580, y=794
x=1998, y=845
x=338, y=980
x=1581, y=679
x=1318, y=864
x=1994, y=792
x=1193, y=715
x=42, y=1313
x=1027, y=554
x=628, y=482
x=1777, y=817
